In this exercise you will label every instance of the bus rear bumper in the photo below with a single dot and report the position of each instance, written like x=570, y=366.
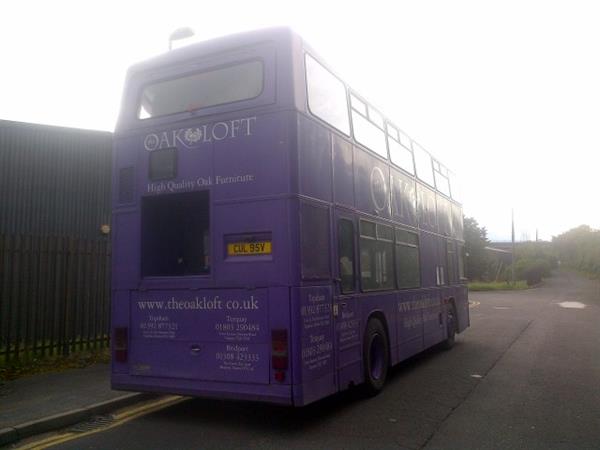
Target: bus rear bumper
x=270, y=393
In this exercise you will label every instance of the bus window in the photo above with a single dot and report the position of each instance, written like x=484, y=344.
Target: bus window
x=326, y=96
x=454, y=187
x=444, y=215
x=368, y=132
x=457, y=222
x=376, y=256
x=451, y=257
x=423, y=165
x=163, y=164
x=442, y=183
x=376, y=117
x=346, y=255
x=175, y=235
x=408, y=271
x=358, y=105
x=201, y=90
x=400, y=155
x=405, y=141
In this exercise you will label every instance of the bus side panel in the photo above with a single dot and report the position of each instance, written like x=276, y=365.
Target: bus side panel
x=461, y=300
x=120, y=319
x=349, y=338
x=404, y=200
x=313, y=351
x=343, y=161
x=255, y=161
x=279, y=319
x=434, y=328
x=237, y=221
x=314, y=159
x=372, y=177
x=410, y=325
x=125, y=250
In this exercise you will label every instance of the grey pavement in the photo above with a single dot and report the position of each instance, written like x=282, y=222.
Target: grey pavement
x=38, y=396
x=46, y=402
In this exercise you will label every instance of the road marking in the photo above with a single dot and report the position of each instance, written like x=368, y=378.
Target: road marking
x=576, y=305
x=473, y=304
x=501, y=307
x=120, y=419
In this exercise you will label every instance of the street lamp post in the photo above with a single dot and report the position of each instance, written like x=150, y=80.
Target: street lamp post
x=180, y=33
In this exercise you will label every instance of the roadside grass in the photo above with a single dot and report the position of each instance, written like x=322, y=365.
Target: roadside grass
x=31, y=365
x=498, y=286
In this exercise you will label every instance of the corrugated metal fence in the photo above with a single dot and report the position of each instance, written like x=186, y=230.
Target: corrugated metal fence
x=54, y=261
x=55, y=295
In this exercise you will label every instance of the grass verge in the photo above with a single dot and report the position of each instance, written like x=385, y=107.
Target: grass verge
x=12, y=370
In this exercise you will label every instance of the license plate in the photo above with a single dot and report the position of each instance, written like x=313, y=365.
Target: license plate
x=249, y=248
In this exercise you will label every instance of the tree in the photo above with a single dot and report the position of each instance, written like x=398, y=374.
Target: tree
x=579, y=248
x=477, y=261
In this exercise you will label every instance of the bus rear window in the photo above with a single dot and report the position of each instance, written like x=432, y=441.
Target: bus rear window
x=175, y=235
x=201, y=90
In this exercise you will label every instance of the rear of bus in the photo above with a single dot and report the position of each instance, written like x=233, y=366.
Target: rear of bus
x=202, y=222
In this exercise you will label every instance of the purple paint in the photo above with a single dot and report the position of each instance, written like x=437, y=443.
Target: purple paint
x=226, y=267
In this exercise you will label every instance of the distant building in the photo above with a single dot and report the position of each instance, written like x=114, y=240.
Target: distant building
x=54, y=180
x=55, y=212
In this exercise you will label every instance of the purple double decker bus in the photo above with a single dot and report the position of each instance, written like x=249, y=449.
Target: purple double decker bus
x=275, y=237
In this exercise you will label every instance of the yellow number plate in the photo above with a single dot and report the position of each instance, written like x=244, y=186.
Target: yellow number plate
x=249, y=248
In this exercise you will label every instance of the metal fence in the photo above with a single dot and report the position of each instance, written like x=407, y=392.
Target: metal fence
x=54, y=257
x=54, y=295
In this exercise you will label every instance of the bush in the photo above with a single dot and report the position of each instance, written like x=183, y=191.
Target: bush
x=532, y=270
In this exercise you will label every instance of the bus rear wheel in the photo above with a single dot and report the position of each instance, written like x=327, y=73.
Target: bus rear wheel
x=376, y=357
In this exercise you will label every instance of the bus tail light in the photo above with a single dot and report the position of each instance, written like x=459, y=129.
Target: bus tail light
x=120, y=344
x=279, y=353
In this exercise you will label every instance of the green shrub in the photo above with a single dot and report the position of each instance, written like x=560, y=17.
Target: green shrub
x=532, y=270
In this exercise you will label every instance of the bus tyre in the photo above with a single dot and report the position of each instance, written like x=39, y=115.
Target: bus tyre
x=376, y=357
x=450, y=326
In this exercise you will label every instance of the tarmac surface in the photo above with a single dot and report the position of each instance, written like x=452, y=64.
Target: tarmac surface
x=525, y=375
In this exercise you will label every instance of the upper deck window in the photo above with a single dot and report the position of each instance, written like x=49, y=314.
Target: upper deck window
x=454, y=187
x=442, y=183
x=399, y=154
x=368, y=126
x=327, y=96
x=202, y=90
x=423, y=165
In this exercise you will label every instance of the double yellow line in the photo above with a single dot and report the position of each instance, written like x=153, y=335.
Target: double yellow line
x=119, y=419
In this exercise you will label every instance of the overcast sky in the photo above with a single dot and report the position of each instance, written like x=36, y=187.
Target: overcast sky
x=506, y=93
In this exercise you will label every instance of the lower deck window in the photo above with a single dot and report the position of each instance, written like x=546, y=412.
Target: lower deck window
x=346, y=253
x=376, y=256
x=407, y=259
x=175, y=234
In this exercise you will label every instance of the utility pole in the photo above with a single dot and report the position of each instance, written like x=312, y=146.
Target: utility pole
x=512, y=256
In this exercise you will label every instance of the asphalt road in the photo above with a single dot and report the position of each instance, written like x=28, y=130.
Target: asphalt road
x=525, y=375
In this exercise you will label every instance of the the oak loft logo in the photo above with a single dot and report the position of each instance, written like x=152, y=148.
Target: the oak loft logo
x=379, y=189
x=194, y=137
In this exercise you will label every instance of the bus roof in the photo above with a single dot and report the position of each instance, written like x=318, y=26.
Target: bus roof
x=212, y=46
